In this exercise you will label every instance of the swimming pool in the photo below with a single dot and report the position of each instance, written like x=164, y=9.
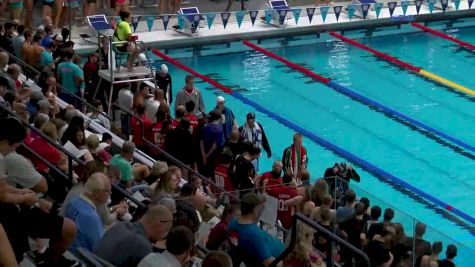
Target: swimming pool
x=384, y=141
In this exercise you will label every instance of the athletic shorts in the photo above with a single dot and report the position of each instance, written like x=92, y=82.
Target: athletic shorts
x=48, y=3
x=72, y=4
x=122, y=48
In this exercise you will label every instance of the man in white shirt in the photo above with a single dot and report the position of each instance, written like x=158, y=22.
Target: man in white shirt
x=125, y=100
x=152, y=105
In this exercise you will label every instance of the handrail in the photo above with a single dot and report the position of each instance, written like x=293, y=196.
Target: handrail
x=321, y=230
x=64, y=90
x=127, y=195
x=45, y=161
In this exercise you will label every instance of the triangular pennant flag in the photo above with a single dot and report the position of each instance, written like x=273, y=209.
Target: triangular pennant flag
x=457, y=4
x=196, y=20
x=310, y=13
x=364, y=10
x=240, y=17
x=253, y=15
x=470, y=2
x=392, y=6
x=210, y=18
x=324, y=12
x=377, y=8
x=225, y=17
x=444, y=4
x=431, y=5
x=404, y=5
x=135, y=22
x=268, y=15
x=165, y=20
x=351, y=8
x=296, y=13
x=418, y=6
x=337, y=10
x=282, y=15
x=150, y=20
x=181, y=21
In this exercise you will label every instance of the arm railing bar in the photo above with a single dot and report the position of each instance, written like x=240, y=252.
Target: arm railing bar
x=40, y=133
x=327, y=234
x=127, y=195
x=23, y=63
x=45, y=161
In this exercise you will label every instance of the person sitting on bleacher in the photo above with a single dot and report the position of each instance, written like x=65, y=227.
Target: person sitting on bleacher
x=123, y=33
x=248, y=241
x=127, y=243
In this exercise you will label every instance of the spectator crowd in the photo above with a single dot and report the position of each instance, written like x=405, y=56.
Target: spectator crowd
x=202, y=201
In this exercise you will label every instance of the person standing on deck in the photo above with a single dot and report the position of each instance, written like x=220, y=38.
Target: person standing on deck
x=253, y=132
x=190, y=93
x=164, y=82
x=295, y=158
x=228, y=120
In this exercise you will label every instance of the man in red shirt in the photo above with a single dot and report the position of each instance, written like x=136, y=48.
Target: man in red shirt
x=138, y=126
x=283, y=193
x=273, y=177
x=179, y=114
x=221, y=174
x=219, y=233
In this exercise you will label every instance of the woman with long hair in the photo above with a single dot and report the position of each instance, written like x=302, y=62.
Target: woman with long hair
x=166, y=187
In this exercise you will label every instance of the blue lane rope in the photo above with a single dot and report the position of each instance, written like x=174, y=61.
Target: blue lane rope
x=348, y=155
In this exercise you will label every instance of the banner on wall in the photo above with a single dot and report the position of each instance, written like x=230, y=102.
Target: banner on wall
x=418, y=6
x=296, y=14
x=351, y=10
x=431, y=5
x=210, y=18
x=392, y=7
x=150, y=20
x=457, y=4
x=181, y=21
x=135, y=22
x=337, y=10
x=165, y=20
x=268, y=15
x=364, y=10
x=404, y=5
x=253, y=15
x=282, y=15
x=324, y=12
x=240, y=17
x=310, y=13
x=377, y=8
x=470, y=2
x=444, y=4
x=225, y=18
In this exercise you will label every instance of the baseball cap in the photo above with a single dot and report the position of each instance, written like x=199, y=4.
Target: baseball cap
x=251, y=116
x=219, y=99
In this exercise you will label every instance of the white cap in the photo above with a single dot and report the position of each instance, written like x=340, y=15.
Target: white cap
x=163, y=68
x=219, y=99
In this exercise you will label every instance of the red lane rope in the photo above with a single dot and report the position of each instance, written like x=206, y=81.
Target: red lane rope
x=377, y=53
x=190, y=70
x=288, y=63
x=443, y=36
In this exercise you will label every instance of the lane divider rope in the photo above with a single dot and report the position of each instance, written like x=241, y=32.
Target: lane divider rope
x=443, y=35
x=405, y=65
x=336, y=149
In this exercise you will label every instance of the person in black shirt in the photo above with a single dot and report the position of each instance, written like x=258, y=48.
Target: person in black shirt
x=450, y=254
x=243, y=169
x=6, y=38
x=179, y=141
x=186, y=213
x=234, y=145
x=377, y=250
x=164, y=82
x=343, y=173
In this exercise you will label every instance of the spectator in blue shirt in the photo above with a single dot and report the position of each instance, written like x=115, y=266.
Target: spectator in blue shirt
x=82, y=210
x=46, y=58
x=47, y=40
x=248, y=241
x=212, y=141
x=71, y=78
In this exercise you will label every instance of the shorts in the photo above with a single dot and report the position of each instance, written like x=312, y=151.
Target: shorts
x=27, y=222
x=122, y=48
x=91, y=1
x=50, y=3
x=72, y=4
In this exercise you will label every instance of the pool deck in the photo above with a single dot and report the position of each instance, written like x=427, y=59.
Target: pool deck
x=170, y=38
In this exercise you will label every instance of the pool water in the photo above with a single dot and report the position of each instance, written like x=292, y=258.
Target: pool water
x=410, y=155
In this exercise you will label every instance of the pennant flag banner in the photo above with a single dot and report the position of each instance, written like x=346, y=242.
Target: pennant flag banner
x=225, y=17
x=282, y=15
x=324, y=12
x=404, y=5
x=444, y=4
x=310, y=13
x=240, y=17
x=377, y=8
x=470, y=2
x=196, y=20
x=431, y=5
x=149, y=20
x=364, y=10
x=135, y=22
x=210, y=18
x=165, y=20
x=253, y=15
x=457, y=4
x=351, y=10
x=337, y=10
x=268, y=15
x=418, y=6
x=181, y=21
x=392, y=6
x=296, y=13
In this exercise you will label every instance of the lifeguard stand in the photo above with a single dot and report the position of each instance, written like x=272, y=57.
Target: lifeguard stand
x=113, y=74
